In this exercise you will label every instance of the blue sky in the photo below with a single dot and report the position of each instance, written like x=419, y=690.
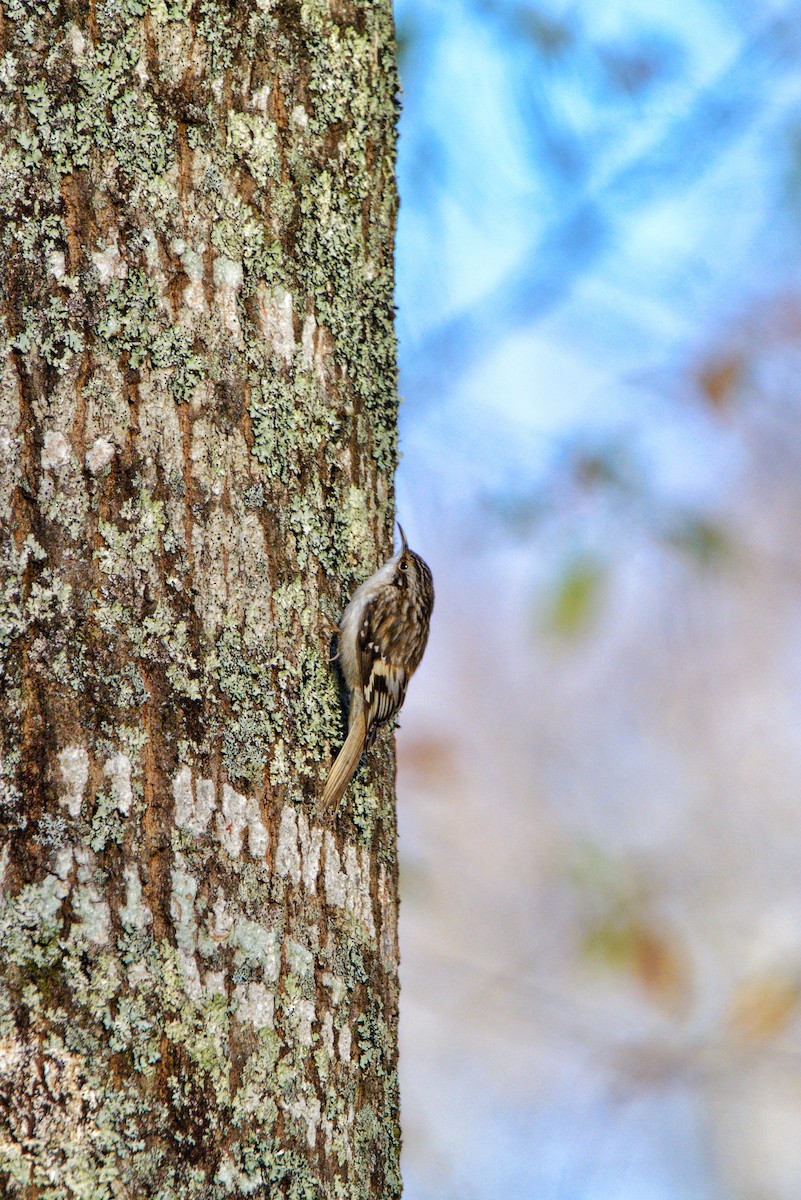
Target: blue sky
x=681, y=246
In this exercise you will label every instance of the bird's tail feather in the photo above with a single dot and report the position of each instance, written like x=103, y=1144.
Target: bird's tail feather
x=345, y=764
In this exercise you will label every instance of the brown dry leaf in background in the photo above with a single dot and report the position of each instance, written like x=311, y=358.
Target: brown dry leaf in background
x=764, y=1005
x=654, y=957
x=719, y=379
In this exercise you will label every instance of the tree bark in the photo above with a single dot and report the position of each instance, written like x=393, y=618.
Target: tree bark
x=198, y=982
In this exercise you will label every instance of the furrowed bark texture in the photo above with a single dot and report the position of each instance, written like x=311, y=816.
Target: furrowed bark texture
x=198, y=983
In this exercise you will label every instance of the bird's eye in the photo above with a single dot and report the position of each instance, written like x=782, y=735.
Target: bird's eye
x=404, y=566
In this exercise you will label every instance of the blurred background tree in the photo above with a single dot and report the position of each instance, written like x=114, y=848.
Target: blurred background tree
x=599, y=315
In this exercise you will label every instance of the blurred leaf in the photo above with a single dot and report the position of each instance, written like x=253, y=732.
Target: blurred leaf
x=719, y=380
x=764, y=1005
x=610, y=944
x=550, y=36
x=432, y=757
x=631, y=73
x=700, y=538
x=653, y=957
x=576, y=596
x=609, y=466
x=406, y=34
x=620, y=933
x=603, y=876
x=635, y=67
x=662, y=968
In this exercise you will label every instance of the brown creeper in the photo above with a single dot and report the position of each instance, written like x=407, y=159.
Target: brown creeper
x=382, y=636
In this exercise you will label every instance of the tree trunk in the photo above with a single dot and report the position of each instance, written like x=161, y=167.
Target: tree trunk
x=198, y=982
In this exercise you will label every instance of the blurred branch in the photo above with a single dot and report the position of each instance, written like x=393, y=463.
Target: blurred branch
x=612, y=475
x=684, y=1053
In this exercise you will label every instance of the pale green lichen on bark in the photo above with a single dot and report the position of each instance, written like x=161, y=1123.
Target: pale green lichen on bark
x=198, y=357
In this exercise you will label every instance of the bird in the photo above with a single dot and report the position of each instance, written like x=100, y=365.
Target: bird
x=382, y=636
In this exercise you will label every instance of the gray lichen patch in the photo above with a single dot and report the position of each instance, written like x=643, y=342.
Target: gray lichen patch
x=185, y=1004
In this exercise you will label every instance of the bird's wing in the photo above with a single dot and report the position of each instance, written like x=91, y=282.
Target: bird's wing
x=383, y=682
